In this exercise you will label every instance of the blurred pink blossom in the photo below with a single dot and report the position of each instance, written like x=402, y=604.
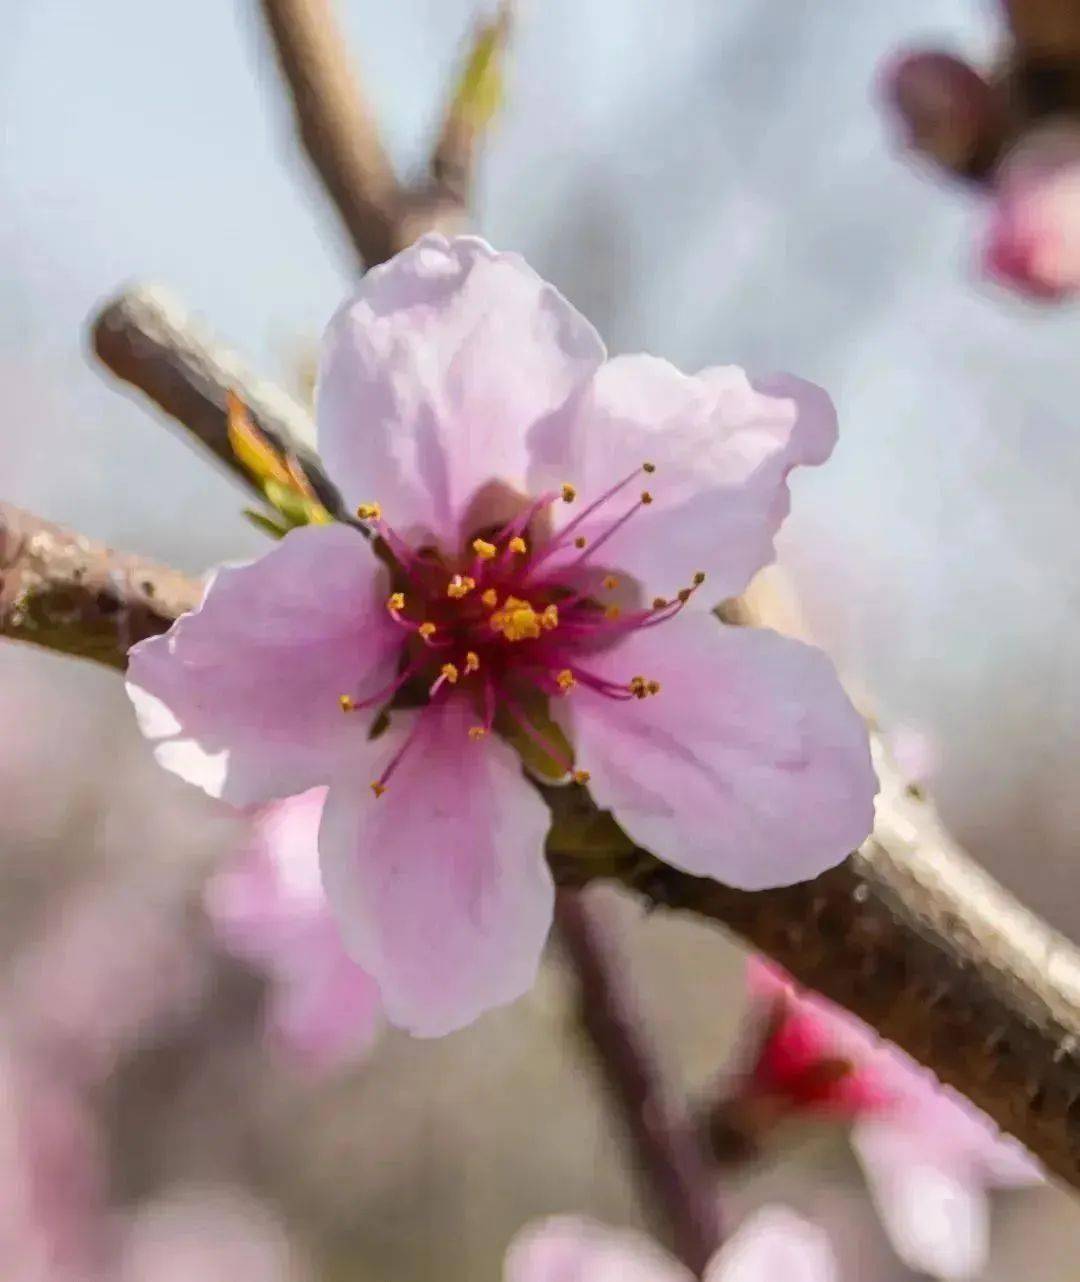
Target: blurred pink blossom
x=51, y=1179
x=929, y=1155
x=774, y=1245
x=205, y=1234
x=268, y=908
x=454, y=384
x=113, y=960
x=1034, y=241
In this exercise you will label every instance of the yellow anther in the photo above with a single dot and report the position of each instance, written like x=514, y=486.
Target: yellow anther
x=612, y=612
x=477, y=732
x=640, y=688
x=580, y=541
x=426, y=630
x=459, y=586
x=684, y=595
x=490, y=598
x=582, y=776
x=378, y=788
x=518, y=621
x=396, y=602
x=517, y=544
x=549, y=618
x=565, y=680
x=450, y=672
x=646, y=497
x=369, y=512
x=347, y=703
x=611, y=582
x=648, y=467
x=699, y=578
x=659, y=602
x=569, y=494
x=472, y=662
x=484, y=550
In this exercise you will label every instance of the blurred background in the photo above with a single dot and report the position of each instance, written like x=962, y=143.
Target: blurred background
x=710, y=182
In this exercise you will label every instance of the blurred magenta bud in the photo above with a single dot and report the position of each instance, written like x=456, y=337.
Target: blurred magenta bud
x=1034, y=241
x=946, y=109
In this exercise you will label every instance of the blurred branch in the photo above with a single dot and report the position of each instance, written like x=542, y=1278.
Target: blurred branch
x=336, y=125
x=671, y=1165
x=474, y=102
x=340, y=134
x=61, y=591
x=909, y=933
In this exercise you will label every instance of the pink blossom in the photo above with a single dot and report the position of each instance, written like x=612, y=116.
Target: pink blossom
x=468, y=401
x=774, y=1245
x=1034, y=242
x=52, y=1179
x=208, y=1234
x=269, y=909
x=929, y=1155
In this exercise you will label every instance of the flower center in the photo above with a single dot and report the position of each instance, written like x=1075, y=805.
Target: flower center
x=511, y=619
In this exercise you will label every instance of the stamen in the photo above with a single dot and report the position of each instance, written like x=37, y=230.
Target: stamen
x=348, y=704
x=582, y=776
x=395, y=602
x=490, y=598
x=472, y=662
x=659, y=603
x=518, y=621
x=459, y=586
x=612, y=612
x=369, y=512
x=484, y=550
x=569, y=493
x=699, y=578
x=611, y=582
x=641, y=688
x=450, y=673
x=477, y=732
x=648, y=467
x=646, y=497
x=549, y=619
x=565, y=680
x=517, y=544
x=378, y=788
x=580, y=541
x=426, y=630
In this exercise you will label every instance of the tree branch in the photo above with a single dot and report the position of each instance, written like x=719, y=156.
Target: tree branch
x=909, y=933
x=61, y=591
x=340, y=134
x=671, y=1165
x=336, y=125
x=149, y=340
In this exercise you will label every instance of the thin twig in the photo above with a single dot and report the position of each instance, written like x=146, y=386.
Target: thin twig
x=335, y=123
x=670, y=1163
x=148, y=339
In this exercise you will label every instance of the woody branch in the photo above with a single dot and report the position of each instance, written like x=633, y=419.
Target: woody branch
x=909, y=933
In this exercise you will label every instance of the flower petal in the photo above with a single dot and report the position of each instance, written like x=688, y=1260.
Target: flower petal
x=240, y=697
x=440, y=886
x=934, y=1212
x=567, y=1249
x=775, y=1245
x=750, y=766
x=431, y=376
x=722, y=448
